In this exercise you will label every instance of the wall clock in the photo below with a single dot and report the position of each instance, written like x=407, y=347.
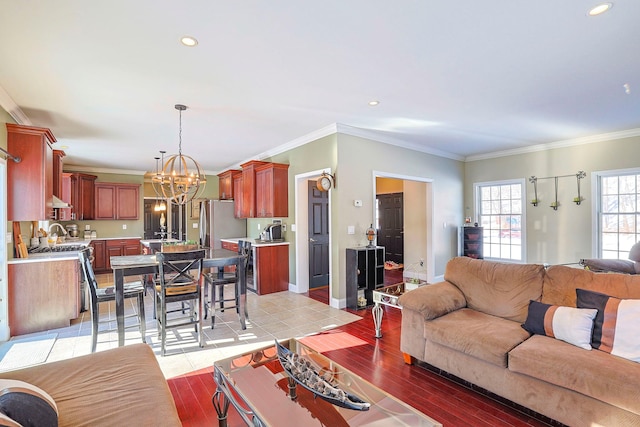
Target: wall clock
x=325, y=182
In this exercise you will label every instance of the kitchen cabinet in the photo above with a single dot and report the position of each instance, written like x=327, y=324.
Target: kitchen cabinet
x=99, y=255
x=117, y=201
x=238, y=196
x=272, y=190
x=82, y=196
x=104, y=249
x=248, y=207
x=58, y=155
x=43, y=295
x=65, y=214
x=225, y=184
x=30, y=182
x=270, y=268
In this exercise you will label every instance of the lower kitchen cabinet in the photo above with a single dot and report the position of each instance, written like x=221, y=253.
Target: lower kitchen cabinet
x=104, y=249
x=43, y=295
x=270, y=268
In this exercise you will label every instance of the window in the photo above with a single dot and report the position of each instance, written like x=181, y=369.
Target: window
x=618, y=212
x=500, y=213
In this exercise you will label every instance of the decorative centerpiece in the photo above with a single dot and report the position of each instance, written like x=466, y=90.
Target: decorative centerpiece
x=188, y=245
x=300, y=371
x=371, y=235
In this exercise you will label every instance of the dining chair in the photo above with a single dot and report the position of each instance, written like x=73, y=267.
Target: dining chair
x=99, y=295
x=217, y=280
x=179, y=281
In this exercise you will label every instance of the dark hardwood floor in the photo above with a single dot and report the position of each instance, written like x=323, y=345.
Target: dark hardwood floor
x=380, y=362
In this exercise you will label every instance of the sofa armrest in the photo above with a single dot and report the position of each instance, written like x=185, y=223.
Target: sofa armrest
x=433, y=301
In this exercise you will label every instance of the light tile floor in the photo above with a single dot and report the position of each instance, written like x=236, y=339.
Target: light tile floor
x=275, y=316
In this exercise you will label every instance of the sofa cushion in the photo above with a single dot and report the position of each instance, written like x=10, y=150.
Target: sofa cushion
x=561, y=282
x=433, y=301
x=499, y=289
x=123, y=386
x=572, y=325
x=477, y=334
x=617, y=324
x=613, y=380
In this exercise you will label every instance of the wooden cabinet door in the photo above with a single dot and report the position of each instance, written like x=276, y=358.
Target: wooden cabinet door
x=127, y=201
x=272, y=190
x=114, y=248
x=57, y=172
x=65, y=214
x=30, y=182
x=249, y=188
x=105, y=206
x=131, y=247
x=99, y=255
x=238, y=197
x=82, y=196
x=226, y=190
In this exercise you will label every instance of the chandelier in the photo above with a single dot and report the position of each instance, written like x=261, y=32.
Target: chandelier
x=181, y=178
x=160, y=205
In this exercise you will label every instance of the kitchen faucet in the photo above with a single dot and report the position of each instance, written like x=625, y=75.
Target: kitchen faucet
x=64, y=231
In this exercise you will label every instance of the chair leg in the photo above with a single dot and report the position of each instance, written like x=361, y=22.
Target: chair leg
x=141, y=317
x=95, y=316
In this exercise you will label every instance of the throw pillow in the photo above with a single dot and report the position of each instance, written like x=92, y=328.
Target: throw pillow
x=572, y=325
x=27, y=404
x=616, y=328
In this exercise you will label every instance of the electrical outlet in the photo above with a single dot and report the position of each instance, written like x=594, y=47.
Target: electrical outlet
x=195, y=225
x=259, y=228
x=284, y=227
x=357, y=203
x=124, y=226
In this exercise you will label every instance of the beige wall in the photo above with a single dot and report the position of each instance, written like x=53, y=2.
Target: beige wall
x=565, y=235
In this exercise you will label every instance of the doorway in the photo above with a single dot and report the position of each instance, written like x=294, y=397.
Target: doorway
x=390, y=222
x=318, y=208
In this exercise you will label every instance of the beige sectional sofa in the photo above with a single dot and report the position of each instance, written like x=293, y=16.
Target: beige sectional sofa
x=118, y=387
x=470, y=326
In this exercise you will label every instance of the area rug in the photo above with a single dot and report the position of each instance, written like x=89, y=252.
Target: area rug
x=23, y=352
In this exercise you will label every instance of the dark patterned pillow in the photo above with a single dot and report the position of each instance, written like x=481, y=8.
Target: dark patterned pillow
x=617, y=325
x=569, y=324
x=27, y=404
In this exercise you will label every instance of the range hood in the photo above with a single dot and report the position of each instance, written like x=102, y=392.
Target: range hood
x=59, y=204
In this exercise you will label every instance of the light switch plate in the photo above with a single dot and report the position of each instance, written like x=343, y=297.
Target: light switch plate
x=195, y=225
x=357, y=203
x=124, y=226
x=351, y=229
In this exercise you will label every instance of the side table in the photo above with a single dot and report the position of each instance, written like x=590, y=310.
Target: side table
x=385, y=296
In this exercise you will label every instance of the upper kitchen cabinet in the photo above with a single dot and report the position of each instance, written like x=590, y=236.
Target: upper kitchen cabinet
x=30, y=182
x=272, y=190
x=82, y=196
x=117, y=201
x=237, y=195
x=248, y=207
x=225, y=185
x=58, y=155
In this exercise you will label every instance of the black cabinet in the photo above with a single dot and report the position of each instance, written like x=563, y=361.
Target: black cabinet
x=472, y=242
x=365, y=273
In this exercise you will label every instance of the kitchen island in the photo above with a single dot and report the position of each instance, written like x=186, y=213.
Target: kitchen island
x=269, y=270
x=44, y=292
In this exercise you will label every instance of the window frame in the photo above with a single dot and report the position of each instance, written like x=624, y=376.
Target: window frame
x=477, y=187
x=596, y=196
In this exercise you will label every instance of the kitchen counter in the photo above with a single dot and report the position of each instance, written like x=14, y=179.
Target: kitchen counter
x=254, y=242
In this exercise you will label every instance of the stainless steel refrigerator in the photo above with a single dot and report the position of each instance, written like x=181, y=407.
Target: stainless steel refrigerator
x=217, y=222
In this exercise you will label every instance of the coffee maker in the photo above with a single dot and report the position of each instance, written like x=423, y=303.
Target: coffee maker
x=273, y=232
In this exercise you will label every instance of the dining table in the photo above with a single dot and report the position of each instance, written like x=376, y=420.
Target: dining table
x=215, y=261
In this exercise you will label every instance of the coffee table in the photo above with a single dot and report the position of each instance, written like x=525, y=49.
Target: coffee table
x=258, y=388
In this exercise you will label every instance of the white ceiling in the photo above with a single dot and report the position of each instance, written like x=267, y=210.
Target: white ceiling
x=460, y=77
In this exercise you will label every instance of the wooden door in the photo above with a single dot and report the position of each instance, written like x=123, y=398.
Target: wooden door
x=318, y=236
x=105, y=201
x=127, y=200
x=391, y=223
x=237, y=196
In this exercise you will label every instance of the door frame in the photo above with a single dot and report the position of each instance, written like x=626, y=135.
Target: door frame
x=5, y=332
x=301, y=219
x=429, y=210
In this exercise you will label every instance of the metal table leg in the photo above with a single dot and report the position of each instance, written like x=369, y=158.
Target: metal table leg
x=377, y=313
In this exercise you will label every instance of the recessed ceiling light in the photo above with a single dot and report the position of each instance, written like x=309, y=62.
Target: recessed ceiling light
x=599, y=9
x=374, y=103
x=188, y=41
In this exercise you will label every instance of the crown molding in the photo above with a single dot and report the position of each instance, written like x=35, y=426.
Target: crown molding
x=9, y=105
x=76, y=168
x=611, y=136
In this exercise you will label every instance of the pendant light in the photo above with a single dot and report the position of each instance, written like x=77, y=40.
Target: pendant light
x=160, y=205
x=181, y=178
